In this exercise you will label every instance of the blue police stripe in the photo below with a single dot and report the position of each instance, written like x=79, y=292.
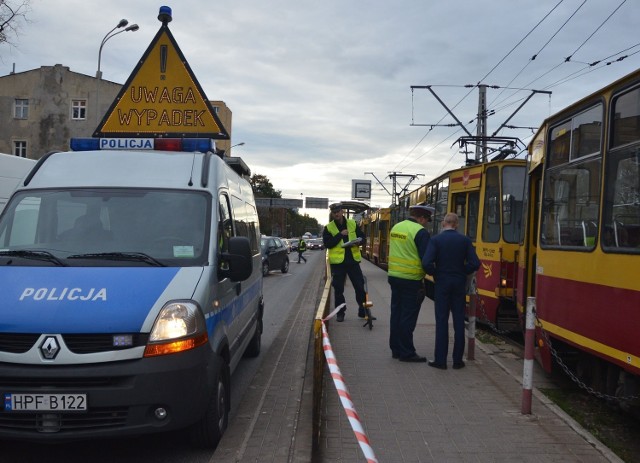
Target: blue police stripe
x=79, y=299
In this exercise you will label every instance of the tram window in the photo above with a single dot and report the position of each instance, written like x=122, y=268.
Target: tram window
x=570, y=205
x=621, y=232
x=586, y=132
x=626, y=118
x=513, y=185
x=578, y=137
x=442, y=200
x=491, y=214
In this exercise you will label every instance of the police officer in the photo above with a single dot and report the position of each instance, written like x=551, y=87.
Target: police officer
x=344, y=257
x=302, y=247
x=450, y=257
x=408, y=243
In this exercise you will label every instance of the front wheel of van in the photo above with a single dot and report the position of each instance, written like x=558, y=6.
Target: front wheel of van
x=209, y=430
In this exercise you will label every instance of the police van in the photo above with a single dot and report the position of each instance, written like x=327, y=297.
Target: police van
x=130, y=270
x=131, y=287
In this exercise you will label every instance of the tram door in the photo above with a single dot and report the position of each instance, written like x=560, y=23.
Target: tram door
x=466, y=206
x=529, y=241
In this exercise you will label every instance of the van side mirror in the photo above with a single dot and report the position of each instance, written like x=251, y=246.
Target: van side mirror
x=238, y=259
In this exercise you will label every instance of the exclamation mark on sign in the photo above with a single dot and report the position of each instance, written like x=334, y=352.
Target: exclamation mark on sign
x=163, y=61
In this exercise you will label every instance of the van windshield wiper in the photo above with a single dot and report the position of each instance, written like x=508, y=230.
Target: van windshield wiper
x=124, y=256
x=36, y=255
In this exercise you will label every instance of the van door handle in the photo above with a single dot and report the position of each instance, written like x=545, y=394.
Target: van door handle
x=238, y=289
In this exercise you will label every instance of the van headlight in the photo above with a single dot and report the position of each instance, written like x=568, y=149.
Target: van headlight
x=180, y=326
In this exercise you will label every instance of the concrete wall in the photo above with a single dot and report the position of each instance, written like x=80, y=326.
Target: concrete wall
x=50, y=90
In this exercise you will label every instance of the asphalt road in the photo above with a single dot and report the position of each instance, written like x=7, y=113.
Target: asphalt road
x=280, y=291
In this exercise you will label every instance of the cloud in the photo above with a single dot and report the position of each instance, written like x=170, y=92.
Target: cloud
x=320, y=91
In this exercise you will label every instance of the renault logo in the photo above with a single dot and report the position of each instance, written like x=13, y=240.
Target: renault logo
x=50, y=347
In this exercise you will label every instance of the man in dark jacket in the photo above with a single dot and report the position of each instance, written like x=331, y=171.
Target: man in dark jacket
x=342, y=238
x=450, y=257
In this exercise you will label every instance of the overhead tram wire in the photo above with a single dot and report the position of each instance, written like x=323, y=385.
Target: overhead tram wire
x=568, y=58
x=574, y=74
x=522, y=40
x=511, y=51
x=539, y=51
x=426, y=134
x=465, y=96
x=589, y=69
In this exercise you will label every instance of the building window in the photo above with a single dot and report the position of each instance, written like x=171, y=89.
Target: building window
x=21, y=110
x=78, y=110
x=20, y=148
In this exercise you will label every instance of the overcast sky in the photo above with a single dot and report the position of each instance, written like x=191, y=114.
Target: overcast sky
x=321, y=91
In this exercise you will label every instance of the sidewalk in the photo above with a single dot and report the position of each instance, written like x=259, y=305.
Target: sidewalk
x=414, y=413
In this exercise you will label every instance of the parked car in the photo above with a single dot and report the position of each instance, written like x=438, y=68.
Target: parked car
x=274, y=255
x=294, y=244
x=287, y=244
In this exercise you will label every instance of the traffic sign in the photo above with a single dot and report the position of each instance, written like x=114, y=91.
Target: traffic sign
x=162, y=98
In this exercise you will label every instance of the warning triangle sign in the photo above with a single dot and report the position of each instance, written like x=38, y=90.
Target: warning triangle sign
x=162, y=98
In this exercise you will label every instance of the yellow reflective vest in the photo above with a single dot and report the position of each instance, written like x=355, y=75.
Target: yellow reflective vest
x=404, y=261
x=336, y=253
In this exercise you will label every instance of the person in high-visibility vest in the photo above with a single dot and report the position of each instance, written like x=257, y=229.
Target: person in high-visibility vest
x=408, y=243
x=340, y=237
x=302, y=247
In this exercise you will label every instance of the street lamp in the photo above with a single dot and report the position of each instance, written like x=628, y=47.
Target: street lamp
x=239, y=144
x=111, y=33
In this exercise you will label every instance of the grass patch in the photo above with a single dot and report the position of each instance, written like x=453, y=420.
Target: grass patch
x=487, y=337
x=617, y=431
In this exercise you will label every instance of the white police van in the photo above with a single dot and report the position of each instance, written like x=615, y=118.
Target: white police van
x=131, y=287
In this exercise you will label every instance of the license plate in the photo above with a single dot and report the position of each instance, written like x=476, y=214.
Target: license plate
x=45, y=402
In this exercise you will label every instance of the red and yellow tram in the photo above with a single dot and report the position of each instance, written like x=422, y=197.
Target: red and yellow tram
x=580, y=257
x=488, y=199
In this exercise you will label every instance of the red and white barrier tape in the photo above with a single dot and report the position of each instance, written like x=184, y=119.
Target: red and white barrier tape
x=345, y=398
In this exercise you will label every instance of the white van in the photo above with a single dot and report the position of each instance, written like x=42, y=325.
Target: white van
x=131, y=287
x=12, y=170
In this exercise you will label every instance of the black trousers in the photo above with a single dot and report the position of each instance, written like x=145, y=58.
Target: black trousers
x=339, y=273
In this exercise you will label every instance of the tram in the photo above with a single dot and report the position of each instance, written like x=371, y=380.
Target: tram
x=488, y=199
x=376, y=226
x=580, y=253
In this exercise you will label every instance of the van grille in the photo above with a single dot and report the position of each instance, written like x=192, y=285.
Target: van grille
x=90, y=343
x=18, y=343
x=98, y=418
x=74, y=382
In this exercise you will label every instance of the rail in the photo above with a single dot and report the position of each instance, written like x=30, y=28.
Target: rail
x=319, y=360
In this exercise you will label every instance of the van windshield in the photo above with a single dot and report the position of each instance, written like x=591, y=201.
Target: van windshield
x=107, y=227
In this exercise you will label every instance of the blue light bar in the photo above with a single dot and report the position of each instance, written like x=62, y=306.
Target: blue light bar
x=84, y=144
x=197, y=144
x=202, y=145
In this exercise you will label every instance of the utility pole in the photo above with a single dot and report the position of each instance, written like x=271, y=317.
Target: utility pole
x=481, y=132
x=482, y=142
x=394, y=189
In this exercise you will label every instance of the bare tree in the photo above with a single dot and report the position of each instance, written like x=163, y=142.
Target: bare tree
x=12, y=14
